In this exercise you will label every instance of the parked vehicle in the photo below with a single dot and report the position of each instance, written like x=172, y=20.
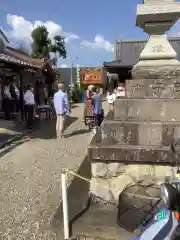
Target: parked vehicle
x=165, y=223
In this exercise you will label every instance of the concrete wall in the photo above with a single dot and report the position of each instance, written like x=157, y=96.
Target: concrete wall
x=65, y=75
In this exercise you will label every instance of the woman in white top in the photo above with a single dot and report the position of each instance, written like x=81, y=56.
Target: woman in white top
x=111, y=98
x=120, y=91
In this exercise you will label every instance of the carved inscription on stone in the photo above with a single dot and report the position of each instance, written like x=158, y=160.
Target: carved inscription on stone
x=158, y=8
x=131, y=155
x=176, y=88
x=115, y=155
x=138, y=90
x=113, y=133
x=157, y=88
x=157, y=48
x=132, y=113
x=150, y=134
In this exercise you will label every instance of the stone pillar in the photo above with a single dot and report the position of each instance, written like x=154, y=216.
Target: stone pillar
x=158, y=58
x=133, y=142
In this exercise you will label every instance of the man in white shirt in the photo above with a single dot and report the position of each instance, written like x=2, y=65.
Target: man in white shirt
x=29, y=103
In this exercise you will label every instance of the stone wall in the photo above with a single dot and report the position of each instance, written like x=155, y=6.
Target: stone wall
x=113, y=178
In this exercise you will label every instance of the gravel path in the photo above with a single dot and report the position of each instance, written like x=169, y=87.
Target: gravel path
x=30, y=180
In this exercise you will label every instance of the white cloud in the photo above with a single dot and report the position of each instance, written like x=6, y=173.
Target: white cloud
x=99, y=43
x=64, y=66
x=175, y=30
x=21, y=29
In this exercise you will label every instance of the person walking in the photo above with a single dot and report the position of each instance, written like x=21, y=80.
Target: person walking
x=29, y=104
x=88, y=111
x=61, y=105
x=97, y=109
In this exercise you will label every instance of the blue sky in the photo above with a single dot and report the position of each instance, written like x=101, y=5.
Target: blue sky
x=90, y=27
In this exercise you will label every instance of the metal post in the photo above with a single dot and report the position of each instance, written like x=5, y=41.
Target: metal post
x=65, y=204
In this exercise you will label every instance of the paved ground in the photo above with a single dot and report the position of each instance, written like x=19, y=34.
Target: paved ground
x=30, y=179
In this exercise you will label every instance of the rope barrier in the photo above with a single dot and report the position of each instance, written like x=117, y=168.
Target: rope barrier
x=105, y=186
x=65, y=172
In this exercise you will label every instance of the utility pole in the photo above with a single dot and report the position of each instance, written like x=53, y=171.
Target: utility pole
x=78, y=76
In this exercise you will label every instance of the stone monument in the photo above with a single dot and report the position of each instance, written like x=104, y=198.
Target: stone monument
x=133, y=142
x=158, y=59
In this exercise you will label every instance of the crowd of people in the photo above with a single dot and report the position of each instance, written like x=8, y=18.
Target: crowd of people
x=93, y=111
x=10, y=95
x=33, y=96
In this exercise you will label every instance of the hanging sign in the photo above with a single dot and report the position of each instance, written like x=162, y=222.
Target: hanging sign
x=91, y=76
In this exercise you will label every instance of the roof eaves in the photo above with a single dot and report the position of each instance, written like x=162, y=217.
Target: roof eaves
x=3, y=37
x=11, y=59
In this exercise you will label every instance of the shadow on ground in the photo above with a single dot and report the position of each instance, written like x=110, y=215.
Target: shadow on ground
x=46, y=129
x=11, y=131
x=74, y=106
x=78, y=197
x=78, y=132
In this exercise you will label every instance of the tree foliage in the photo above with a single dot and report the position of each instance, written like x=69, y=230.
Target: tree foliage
x=43, y=46
x=58, y=48
x=41, y=42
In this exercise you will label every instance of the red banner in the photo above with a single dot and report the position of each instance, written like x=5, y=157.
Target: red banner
x=91, y=76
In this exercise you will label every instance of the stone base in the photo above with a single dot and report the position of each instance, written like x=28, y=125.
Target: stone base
x=109, y=188
x=156, y=69
x=150, y=109
x=138, y=133
x=153, y=88
x=128, y=141
x=130, y=154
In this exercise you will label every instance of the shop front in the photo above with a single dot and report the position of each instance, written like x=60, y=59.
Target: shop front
x=17, y=70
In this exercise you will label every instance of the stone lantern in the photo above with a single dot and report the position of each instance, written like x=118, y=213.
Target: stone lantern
x=158, y=58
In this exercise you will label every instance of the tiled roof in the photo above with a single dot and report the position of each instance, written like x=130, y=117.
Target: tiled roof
x=10, y=59
x=15, y=56
x=23, y=57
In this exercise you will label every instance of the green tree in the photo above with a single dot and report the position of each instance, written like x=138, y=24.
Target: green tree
x=58, y=48
x=41, y=43
x=42, y=46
